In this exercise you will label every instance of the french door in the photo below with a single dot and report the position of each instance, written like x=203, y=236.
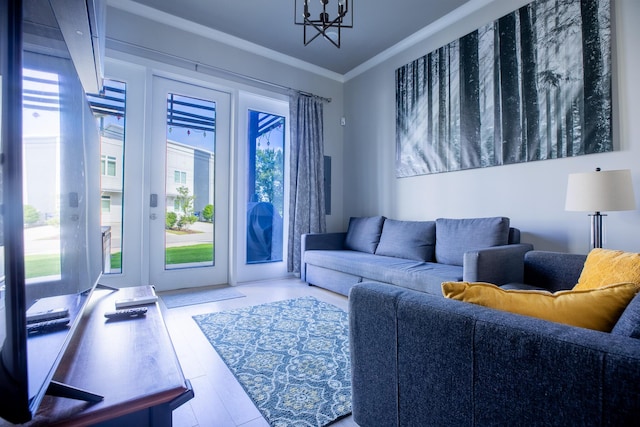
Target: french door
x=262, y=196
x=189, y=185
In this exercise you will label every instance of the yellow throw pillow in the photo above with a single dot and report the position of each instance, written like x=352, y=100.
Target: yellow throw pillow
x=597, y=309
x=605, y=266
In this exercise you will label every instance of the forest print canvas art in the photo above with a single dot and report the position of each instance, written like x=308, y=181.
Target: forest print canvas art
x=532, y=85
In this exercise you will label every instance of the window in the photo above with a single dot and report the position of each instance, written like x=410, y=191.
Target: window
x=45, y=107
x=108, y=165
x=106, y=204
x=179, y=177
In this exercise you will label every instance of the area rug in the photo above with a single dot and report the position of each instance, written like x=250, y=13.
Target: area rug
x=191, y=297
x=291, y=357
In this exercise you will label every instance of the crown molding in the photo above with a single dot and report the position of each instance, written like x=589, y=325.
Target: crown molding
x=439, y=25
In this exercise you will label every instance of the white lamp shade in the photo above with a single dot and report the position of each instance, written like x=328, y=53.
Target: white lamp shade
x=600, y=191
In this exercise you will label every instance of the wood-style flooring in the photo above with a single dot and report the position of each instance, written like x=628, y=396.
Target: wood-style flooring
x=219, y=399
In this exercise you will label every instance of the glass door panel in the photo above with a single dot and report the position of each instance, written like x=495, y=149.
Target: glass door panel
x=265, y=204
x=189, y=181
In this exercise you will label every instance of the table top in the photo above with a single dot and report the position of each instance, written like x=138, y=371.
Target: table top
x=132, y=363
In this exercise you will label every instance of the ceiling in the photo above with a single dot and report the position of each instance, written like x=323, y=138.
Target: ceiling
x=377, y=25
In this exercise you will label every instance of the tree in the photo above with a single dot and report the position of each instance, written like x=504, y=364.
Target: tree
x=497, y=106
x=598, y=136
x=270, y=177
x=185, y=201
x=510, y=90
x=207, y=213
x=470, y=101
x=442, y=106
x=30, y=215
x=530, y=102
x=429, y=84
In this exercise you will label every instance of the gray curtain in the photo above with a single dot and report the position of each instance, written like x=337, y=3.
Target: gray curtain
x=306, y=202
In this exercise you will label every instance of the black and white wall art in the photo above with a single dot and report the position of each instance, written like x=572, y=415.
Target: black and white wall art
x=532, y=85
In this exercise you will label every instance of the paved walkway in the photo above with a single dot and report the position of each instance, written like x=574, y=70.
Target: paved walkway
x=203, y=234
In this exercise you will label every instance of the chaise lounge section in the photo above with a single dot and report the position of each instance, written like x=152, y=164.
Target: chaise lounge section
x=420, y=359
x=418, y=255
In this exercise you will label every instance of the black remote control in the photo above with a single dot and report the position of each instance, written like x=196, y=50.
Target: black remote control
x=48, y=325
x=126, y=313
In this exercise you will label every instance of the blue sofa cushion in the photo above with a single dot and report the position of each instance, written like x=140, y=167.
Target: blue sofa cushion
x=364, y=233
x=415, y=240
x=629, y=323
x=454, y=237
x=418, y=275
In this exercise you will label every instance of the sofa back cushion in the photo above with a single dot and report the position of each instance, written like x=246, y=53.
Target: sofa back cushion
x=629, y=323
x=415, y=240
x=364, y=233
x=454, y=237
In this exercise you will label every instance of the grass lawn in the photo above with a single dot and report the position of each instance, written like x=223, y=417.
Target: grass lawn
x=49, y=265
x=41, y=265
x=185, y=254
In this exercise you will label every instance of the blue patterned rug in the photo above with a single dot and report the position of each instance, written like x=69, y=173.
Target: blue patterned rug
x=291, y=357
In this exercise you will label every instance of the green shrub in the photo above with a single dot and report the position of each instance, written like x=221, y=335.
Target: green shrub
x=170, y=220
x=185, y=221
x=207, y=213
x=30, y=215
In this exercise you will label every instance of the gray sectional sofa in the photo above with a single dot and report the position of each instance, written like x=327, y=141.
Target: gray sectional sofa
x=419, y=255
x=422, y=360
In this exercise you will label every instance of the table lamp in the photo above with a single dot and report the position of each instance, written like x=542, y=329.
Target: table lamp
x=597, y=192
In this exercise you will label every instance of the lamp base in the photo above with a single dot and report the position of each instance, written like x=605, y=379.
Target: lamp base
x=596, y=229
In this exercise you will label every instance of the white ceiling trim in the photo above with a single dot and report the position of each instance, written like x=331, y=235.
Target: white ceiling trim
x=419, y=36
x=201, y=30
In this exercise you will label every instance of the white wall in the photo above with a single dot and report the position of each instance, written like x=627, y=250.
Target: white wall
x=127, y=32
x=531, y=194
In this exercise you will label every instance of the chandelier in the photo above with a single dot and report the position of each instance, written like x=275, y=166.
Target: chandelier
x=328, y=23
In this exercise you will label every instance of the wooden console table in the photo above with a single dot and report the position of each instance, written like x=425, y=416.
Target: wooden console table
x=132, y=363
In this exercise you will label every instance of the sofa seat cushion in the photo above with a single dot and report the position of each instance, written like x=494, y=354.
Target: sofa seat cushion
x=363, y=233
x=597, y=309
x=421, y=276
x=415, y=240
x=457, y=236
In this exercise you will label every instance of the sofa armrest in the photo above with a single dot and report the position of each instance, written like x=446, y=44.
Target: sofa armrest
x=497, y=264
x=456, y=363
x=552, y=270
x=374, y=361
x=322, y=241
x=319, y=241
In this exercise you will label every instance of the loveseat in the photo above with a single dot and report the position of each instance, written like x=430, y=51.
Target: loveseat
x=422, y=360
x=418, y=255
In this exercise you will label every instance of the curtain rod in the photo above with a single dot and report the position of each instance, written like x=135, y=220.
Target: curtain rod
x=201, y=67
